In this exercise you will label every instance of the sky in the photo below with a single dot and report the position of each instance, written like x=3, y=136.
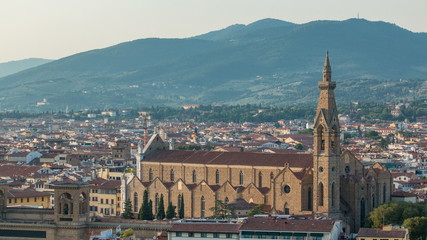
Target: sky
x=54, y=29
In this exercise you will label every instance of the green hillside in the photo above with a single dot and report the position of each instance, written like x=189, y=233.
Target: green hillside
x=267, y=62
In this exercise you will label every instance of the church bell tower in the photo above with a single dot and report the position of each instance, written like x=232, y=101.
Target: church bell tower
x=327, y=149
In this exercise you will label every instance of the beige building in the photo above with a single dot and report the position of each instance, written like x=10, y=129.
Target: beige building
x=328, y=182
x=105, y=197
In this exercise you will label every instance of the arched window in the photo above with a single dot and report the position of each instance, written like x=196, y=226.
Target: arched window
x=135, y=202
x=202, y=207
x=384, y=192
x=194, y=176
x=156, y=202
x=271, y=176
x=362, y=212
x=309, y=199
x=65, y=209
x=333, y=194
x=260, y=179
x=150, y=175
x=320, y=133
x=217, y=177
x=373, y=201
x=226, y=200
x=241, y=177
x=286, y=209
x=172, y=176
x=320, y=194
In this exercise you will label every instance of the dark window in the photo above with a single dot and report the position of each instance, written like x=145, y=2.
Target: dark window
x=135, y=202
x=216, y=235
x=286, y=189
x=190, y=234
x=260, y=179
x=150, y=175
x=320, y=194
x=178, y=234
x=217, y=177
x=228, y=235
x=194, y=176
x=202, y=207
x=203, y=235
x=241, y=177
x=172, y=176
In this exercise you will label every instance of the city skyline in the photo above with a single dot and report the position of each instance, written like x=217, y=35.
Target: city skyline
x=55, y=29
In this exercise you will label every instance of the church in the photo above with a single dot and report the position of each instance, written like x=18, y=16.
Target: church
x=328, y=182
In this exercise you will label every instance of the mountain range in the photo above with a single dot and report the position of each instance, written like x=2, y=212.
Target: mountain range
x=12, y=67
x=270, y=62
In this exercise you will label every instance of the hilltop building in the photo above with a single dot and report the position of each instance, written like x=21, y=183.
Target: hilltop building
x=325, y=183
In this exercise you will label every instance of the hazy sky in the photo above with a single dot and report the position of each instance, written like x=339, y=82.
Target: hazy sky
x=58, y=28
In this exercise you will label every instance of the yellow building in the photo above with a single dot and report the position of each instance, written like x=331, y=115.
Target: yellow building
x=105, y=197
x=111, y=173
x=386, y=233
x=28, y=198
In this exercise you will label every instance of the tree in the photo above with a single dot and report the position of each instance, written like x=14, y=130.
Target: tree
x=127, y=214
x=145, y=213
x=161, y=209
x=417, y=227
x=395, y=213
x=222, y=210
x=170, y=212
x=127, y=233
x=299, y=146
x=258, y=209
x=150, y=210
x=181, y=206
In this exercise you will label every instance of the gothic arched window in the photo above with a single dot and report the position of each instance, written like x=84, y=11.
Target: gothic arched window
x=241, y=177
x=320, y=194
x=373, y=201
x=150, y=175
x=260, y=179
x=217, y=177
x=309, y=199
x=384, y=192
x=286, y=209
x=194, y=176
x=172, y=175
x=271, y=176
x=320, y=134
x=226, y=200
x=202, y=207
x=156, y=202
x=135, y=202
x=333, y=194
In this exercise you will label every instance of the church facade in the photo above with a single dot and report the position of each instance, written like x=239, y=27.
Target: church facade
x=328, y=182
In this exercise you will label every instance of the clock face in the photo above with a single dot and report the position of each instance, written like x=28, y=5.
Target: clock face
x=347, y=169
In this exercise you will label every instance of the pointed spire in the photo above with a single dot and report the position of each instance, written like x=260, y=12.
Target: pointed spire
x=327, y=72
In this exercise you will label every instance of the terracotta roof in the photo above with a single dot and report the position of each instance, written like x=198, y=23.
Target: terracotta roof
x=375, y=232
x=14, y=170
x=205, y=227
x=15, y=193
x=232, y=158
x=274, y=224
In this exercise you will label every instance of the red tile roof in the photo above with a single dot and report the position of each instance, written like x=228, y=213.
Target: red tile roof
x=205, y=227
x=274, y=224
x=375, y=232
x=232, y=158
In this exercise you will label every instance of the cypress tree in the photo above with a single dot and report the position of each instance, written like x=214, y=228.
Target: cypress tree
x=170, y=212
x=144, y=211
x=127, y=214
x=150, y=211
x=161, y=209
x=181, y=206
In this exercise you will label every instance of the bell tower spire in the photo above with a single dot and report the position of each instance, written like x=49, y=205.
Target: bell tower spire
x=327, y=73
x=327, y=151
